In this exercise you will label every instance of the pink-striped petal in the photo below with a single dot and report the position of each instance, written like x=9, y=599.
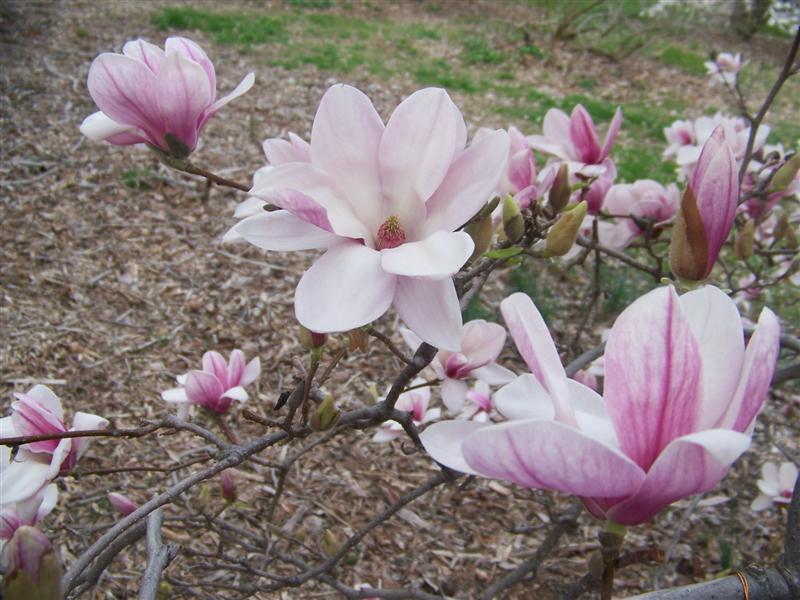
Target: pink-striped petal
x=182, y=96
x=203, y=388
x=524, y=398
x=242, y=88
x=280, y=151
x=149, y=54
x=583, y=134
x=692, y=464
x=611, y=134
x=235, y=369
x=214, y=363
x=443, y=441
x=760, y=359
x=195, y=53
x=454, y=393
x=482, y=342
x=251, y=371
x=551, y=455
x=126, y=91
x=652, y=375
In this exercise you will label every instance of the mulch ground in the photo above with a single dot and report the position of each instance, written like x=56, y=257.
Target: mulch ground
x=111, y=289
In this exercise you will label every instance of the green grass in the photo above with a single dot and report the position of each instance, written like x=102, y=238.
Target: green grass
x=137, y=178
x=226, y=28
x=438, y=72
x=477, y=51
x=688, y=61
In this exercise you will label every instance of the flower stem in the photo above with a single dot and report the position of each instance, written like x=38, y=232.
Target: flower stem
x=611, y=539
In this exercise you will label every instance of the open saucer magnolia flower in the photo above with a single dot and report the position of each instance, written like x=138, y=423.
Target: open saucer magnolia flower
x=725, y=67
x=386, y=203
x=218, y=384
x=39, y=412
x=574, y=139
x=680, y=399
x=776, y=485
x=643, y=199
x=414, y=401
x=481, y=344
x=160, y=97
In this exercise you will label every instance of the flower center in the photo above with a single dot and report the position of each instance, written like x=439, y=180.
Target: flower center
x=390, y=234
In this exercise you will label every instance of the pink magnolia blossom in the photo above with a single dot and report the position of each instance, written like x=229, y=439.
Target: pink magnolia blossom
x=414, y=401
x=149, y=95
x=32, y=567
x=775, y=486
x=26, y=512
x=122, y=503
x=39, y=412
x=574, y=139
x=386, y=203
x=481, y=344
x=679, y=134
x=680, y=399
x=218, y=384
x=642, y=200
x=736, y=135
x=725, y=67
x=708, y=209
x=598, y=190
x=478, y=405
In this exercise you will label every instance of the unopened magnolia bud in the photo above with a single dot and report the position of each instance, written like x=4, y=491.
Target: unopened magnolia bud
x=311, y=339
x=122, y=503
x=561, y=190
x=330, y=543
x=688, y=251
x=33, y=569
x=564, y=232
x=326, y=415
x=781, y=227
x=786, y=173
x=356, y=340
x=791, y=239
x=228, y=486
x=743, y=244
x=513, y=223
x=481, y=233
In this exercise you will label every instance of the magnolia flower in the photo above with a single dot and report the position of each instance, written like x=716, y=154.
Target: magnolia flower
x=642, y=200
x=218, y=384
x=679, y=134
x=681, y=395
x=386, y=203
x=725, y=67
x=776, y=485
x=574, y=139
x=39, y=412
x=147, y=95
x=414, y=401
x=26, y=512
x=481, y=344
x=478, y=405
x=708, y=208
x=736, y=135
x=598, y=190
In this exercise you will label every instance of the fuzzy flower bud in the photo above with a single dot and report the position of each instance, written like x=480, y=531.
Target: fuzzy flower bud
x=122, y=503
x=743, y=245
x=312, y=340
x=326, y=415
x=786, y=173
x=564, y=232
x=228, y=486
x=561, y=190
x=481, y=233
x=513, y=223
